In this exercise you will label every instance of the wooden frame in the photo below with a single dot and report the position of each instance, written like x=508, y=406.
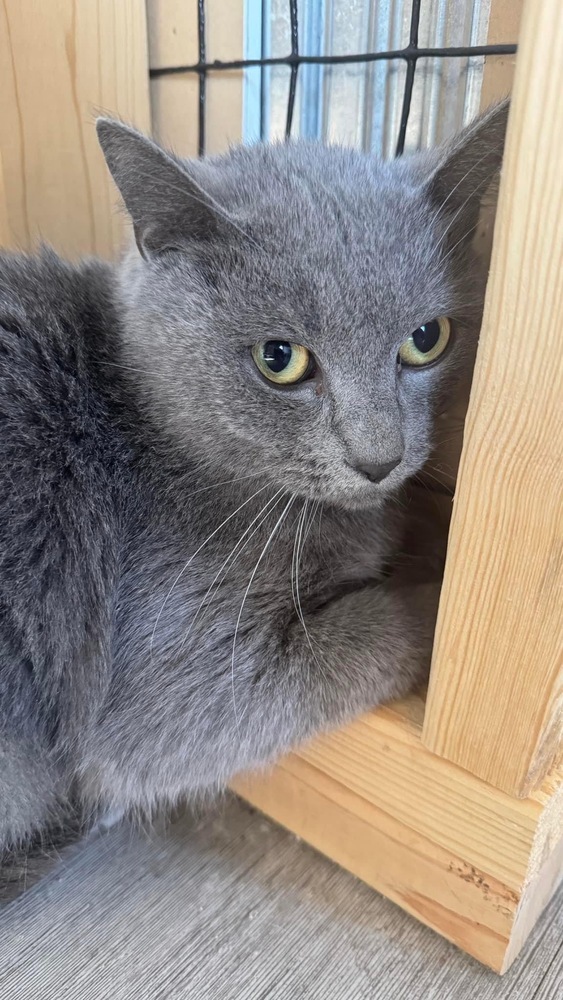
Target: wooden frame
x=495, y=704
x=468, y=860
x=447, y=808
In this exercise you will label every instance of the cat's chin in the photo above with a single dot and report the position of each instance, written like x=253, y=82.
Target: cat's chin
x=372, y=501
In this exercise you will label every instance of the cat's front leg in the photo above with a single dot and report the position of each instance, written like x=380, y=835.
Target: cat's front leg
x=359, y=650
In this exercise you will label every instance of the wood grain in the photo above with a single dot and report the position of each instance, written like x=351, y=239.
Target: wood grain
x=495, y=703
x=504, y=28
x=172, y=32
x=173, y=41
x=465, y=858
x=60, y=64
x=498, y=76
x=5, y=234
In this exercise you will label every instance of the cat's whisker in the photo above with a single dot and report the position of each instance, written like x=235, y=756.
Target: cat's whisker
x=271, y=537
x=454, y=425
x=322, y=510
x=461, y=240
x=454, y=428
x=297, y=552
x=426, y=471
x=439, y=441
x=197, y=551
x=459, y=183
x=314, y=513
x=294, y=590
x=294, y=574
x=224, y=482
x=453, y=220
x=442, y=469
x=129, y=368
x=236, y=551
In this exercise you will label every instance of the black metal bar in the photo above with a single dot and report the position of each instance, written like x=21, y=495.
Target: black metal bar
x=264, y=77
x=461, y=52
x=202, y=73
x=409, y=79
x=294, y=65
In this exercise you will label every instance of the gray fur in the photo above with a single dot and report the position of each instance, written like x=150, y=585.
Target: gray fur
x=134, y=424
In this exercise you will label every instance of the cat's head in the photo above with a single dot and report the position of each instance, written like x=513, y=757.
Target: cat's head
x=299, y=311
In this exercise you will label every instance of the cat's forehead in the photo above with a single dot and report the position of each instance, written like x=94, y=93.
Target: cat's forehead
x=307, y=178
x=336, y=233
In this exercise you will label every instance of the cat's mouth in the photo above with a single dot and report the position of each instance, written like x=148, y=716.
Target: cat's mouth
x=356, y=493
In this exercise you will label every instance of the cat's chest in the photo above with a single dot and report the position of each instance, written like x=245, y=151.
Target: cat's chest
x=178, y=586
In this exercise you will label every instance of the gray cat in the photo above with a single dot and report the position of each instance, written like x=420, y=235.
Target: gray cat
x=202, y=457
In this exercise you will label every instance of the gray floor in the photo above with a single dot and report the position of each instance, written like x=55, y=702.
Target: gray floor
x=231, y=906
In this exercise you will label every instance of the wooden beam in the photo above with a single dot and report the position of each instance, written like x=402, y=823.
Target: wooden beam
x=495, y=702
x=504, y=27
x=464, y=858
x=498, y=75
x=60, y=64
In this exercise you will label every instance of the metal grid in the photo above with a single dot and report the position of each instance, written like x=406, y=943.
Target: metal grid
x=410, y=54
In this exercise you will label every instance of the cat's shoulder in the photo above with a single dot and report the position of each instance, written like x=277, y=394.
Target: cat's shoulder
x=48, y=297
x=50, y=312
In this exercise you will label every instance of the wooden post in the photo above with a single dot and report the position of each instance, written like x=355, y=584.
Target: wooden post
x=60, y=64
x=498, y=75
x=495, y=702
x=504, y=26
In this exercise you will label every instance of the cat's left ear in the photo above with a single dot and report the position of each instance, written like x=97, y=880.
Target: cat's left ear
x=168, y=208
x=458, y=173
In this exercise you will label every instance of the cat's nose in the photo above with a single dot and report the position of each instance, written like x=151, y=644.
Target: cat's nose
x=376, y=473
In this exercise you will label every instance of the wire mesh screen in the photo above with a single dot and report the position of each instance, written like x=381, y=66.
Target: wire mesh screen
x=400, y=86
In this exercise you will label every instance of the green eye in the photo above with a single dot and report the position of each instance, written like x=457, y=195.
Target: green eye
x=283, y=362
x=426, y=344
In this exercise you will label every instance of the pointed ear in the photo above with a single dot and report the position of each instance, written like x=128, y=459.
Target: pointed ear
x=464, y=168
x=168, y=209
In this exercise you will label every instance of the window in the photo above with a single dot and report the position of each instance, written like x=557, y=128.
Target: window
x=360, y=103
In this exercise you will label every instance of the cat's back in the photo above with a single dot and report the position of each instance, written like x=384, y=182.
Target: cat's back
x=59, y=457
x=53, y=421
x=50, y=314
x=45, y=313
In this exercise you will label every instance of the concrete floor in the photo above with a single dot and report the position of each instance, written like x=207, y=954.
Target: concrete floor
x=231, y=906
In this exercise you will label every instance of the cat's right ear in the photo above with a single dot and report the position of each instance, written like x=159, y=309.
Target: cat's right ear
x=168, y=208
x=456, y=175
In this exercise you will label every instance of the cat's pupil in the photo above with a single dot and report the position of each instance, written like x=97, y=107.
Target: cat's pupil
x=427, y=336
x=277, y=355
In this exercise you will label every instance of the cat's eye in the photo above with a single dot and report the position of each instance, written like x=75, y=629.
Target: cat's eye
x=283, y=362
x=426, y=343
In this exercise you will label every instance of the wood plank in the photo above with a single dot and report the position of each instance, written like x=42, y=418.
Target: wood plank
x=495, y=702
x=463, y=857
x=225, y=87
x=504, y=28
x=173, y=41
x=498, y=75
x=172, y=28
x=60, y=64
